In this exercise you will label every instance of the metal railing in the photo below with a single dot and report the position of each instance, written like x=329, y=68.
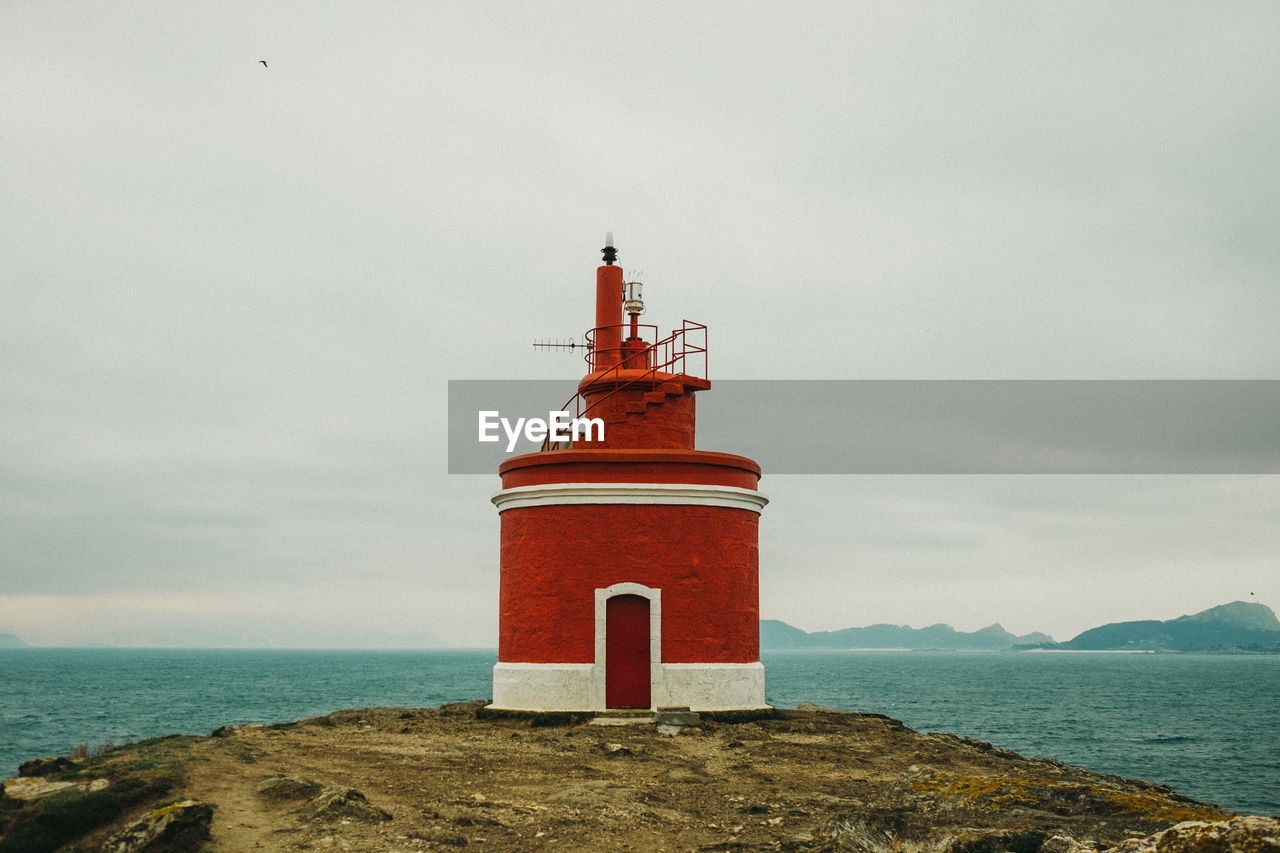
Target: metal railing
x=681, y=353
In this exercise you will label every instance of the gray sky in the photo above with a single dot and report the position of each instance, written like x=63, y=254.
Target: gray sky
x=232, y=295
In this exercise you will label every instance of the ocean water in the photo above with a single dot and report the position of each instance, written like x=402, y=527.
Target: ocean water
x=1207, y=725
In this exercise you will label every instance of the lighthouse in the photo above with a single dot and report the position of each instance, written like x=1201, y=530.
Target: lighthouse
x=629, y=559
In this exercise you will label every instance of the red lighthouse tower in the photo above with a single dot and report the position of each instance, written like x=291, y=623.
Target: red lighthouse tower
x=629, y=567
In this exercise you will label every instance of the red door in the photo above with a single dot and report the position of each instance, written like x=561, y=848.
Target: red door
x=626, y=652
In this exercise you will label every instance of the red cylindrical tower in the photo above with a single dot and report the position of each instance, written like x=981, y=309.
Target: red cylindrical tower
x=629, y=567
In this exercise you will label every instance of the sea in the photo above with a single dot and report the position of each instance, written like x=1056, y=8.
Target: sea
x=1207, y=725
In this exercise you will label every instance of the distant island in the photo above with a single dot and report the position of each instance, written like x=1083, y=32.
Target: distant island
x=9, y=641
x=1238, y=626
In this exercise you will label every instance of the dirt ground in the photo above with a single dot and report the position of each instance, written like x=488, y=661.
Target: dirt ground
x=447, y=779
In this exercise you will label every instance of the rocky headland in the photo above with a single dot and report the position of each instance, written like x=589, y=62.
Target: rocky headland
x=458, y=777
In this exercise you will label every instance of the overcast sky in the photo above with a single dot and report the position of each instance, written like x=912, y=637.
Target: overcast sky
x=233, y=295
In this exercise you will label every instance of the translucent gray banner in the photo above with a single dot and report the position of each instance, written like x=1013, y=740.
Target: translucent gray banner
x=812, y=426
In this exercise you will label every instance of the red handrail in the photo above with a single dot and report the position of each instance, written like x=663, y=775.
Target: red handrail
x=680, y=348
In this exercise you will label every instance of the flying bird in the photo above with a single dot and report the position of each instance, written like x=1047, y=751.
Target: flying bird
x=264, y=63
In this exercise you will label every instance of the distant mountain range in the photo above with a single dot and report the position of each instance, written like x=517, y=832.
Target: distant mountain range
x=1239, y=626
x=779, y=635
x=9, y=641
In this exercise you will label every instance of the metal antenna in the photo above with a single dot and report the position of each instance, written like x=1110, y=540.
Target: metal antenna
x=558, y=343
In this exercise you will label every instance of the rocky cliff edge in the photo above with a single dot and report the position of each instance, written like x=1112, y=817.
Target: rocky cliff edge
x=460, y=777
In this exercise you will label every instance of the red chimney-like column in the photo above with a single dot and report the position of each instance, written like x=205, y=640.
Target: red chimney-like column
x=606, y=337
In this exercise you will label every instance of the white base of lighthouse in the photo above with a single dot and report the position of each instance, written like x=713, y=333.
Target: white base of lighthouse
x=581, y=686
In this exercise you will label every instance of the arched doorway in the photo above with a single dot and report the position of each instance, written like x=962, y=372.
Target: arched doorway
x=627, y=662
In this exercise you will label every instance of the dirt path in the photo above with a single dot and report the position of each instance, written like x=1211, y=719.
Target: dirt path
x=243, y=819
